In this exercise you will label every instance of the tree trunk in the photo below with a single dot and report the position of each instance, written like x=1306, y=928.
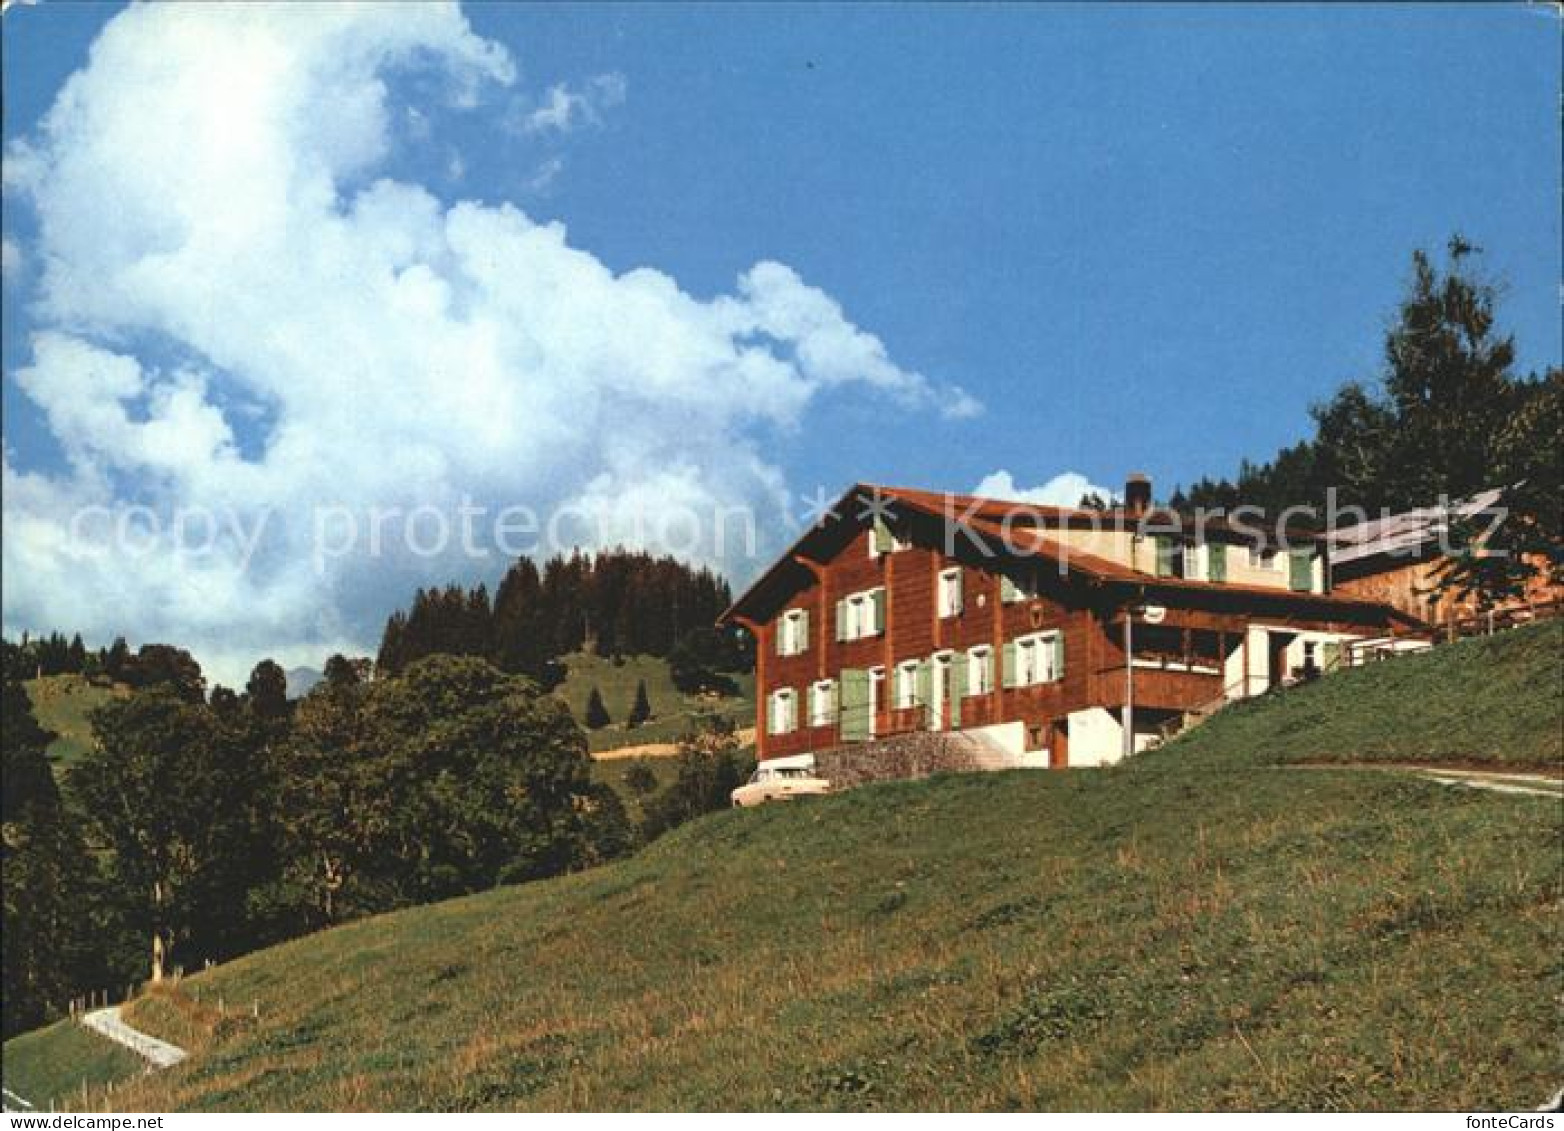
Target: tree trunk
x=159, y=946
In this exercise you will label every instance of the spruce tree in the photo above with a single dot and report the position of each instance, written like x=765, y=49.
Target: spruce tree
x=596, y=713
x=76, y=655
x=642, y=708
x=117, y=659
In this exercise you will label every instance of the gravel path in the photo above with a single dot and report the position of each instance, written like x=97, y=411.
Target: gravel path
x=1496, y=781
x=159, y=1054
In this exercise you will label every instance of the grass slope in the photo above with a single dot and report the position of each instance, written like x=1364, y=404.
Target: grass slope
x=1124, y=939
x=1203, y=931
x=672, y=710
x=1495, y=700
x=61, y=704
x=50, y=1065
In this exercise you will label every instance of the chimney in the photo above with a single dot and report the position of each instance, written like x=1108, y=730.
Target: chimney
x=1137, y=493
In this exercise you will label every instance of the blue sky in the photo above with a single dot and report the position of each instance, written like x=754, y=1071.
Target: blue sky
x=1143, y=237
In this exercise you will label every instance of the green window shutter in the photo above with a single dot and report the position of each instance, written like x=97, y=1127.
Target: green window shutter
x=779, y=633
x=958, y=687
x=1330, y=652
x=1300, y=570
x=1009, y=593
x=1164, y=548
x=884, y=541
x=1058, y=644
x=771, y=714
x=854, y=705
x=925, y=686
x=841, y=620
x=878, y=601
x=1216, y=561
x=1009, y=665
x=803, y=631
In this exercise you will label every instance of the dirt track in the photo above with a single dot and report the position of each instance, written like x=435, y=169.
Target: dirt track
x=746, y=737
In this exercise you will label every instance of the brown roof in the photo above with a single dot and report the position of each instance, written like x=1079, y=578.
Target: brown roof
x=1404, y=534
x=1105, y=569
x=1028, y=522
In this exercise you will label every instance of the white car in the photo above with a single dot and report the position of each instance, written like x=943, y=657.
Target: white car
x=779, y=783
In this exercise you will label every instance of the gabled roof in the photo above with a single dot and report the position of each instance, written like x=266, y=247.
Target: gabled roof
x=1402, y=535
x=1155, y=519
x=1028, y=526
x=1107, y=571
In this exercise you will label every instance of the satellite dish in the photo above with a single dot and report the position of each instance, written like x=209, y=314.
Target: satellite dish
x=1155, y=613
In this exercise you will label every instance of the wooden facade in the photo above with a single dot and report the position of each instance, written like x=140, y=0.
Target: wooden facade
x=1400, y=559
x=1411, y=584
x=1010, y=592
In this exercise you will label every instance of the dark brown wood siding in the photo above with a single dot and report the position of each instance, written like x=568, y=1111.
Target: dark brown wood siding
x=1086, y=615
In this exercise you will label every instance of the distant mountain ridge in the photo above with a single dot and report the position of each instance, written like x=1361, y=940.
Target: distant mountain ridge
x=301, y=680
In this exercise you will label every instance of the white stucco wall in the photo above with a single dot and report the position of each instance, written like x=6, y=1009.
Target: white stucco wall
x=1233, y=672
x=1096, y=739
x=1259, y=652
x=1009, y=737
x=1097, y=736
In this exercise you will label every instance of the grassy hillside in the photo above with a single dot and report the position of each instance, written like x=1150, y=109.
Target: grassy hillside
x=1206, y=930
x=51, y=1065
x=672, y=710
x=61, y=704
x=1126, y=939
x=1495, y=700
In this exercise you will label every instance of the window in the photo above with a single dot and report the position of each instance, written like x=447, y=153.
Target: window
x=1216, y=562
x=906, y=684
x=950, y=592
x=1038, y=658
x=1300, y=570
x=782, y=714
x=793, y=632
x=882, y=541
x=1170, y=555
x=980, y=670
x=822, y=703
x=861, y=614
x=1262, y=557
x=1012, y=590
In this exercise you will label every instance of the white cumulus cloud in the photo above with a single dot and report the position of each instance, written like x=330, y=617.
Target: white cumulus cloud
x=564, y=108
x=10, y=259
x=242, y=325
x=1063, y=490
